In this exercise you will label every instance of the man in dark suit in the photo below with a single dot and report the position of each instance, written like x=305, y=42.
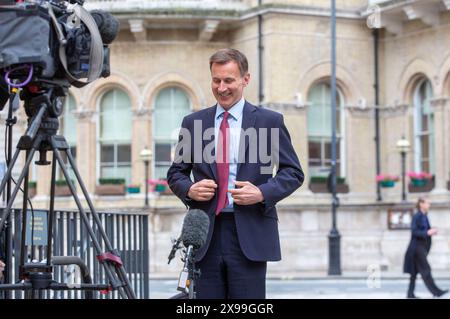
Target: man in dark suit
x=418, y=249
x=224, y=147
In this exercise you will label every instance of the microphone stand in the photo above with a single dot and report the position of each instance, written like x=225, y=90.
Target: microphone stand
x=189, y=274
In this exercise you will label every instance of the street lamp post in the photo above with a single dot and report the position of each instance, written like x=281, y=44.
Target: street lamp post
x=403, y=147
x=146, y=157
x=334, y=238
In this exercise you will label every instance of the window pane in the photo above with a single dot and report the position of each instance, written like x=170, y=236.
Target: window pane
x=314, y=150
x=163, y=152
x=107, y=154
x=424, y=158
x=171, y=106
x=424, y=127
x=425, y=146
x=68, y=121
x=319, y=113
x=115, y=118
x=124, y=153
x=328, y=150
x=426, y=166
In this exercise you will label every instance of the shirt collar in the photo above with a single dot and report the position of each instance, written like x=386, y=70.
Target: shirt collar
x=235, y=111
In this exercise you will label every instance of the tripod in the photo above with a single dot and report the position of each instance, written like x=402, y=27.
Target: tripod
x=43, y=110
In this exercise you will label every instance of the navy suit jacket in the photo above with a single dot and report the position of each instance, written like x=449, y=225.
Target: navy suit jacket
x=257, y=225
x=420, y=242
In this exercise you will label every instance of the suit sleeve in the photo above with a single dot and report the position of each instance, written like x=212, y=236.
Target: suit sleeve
x=418, y=229
x=178, y=175
x=289, y=174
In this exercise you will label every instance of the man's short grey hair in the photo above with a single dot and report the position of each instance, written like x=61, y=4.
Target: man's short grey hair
x=224, y=56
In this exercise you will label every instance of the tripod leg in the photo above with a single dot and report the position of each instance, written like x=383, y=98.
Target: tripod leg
x=121, y=271
x=17, y=187
x=51, y=213
x=108, y=270
x=23, y=250
x=3, y=185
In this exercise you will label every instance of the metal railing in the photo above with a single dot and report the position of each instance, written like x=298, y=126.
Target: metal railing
x=128, y=234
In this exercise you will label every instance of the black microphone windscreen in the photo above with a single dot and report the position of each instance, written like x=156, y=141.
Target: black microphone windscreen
x=108, y=25
x=195, y=228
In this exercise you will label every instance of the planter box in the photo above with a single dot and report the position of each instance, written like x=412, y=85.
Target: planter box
x=133, y=190
x=322, y=188
x=387, y=184
x=421, y=187
x=110, y=189
x=63, y=190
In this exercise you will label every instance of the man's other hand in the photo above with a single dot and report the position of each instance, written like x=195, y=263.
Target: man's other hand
x=246, y=194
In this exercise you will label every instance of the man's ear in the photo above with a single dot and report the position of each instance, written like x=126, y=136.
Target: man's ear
x=246, y=79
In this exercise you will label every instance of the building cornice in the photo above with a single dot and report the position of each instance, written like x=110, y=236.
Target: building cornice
x=360, y=111
x=394, y=110
x=440, y=103
x=285, y=107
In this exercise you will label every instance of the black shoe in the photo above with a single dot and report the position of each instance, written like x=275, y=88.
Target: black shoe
x=441, y=293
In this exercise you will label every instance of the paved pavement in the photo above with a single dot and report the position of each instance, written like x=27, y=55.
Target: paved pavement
x=326, y=288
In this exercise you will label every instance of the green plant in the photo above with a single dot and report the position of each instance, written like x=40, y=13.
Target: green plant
x=62, y=182
x=113, y=181
x=32, y=184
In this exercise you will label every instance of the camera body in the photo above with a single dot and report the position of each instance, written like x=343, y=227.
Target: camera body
x=53, y=41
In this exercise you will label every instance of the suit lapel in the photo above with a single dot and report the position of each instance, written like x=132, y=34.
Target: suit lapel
x=248, y=120
x=208, y=123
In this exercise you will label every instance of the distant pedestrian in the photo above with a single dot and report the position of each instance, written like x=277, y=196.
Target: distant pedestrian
x=418, y=249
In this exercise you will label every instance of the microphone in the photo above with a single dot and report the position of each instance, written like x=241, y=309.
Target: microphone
x=195, y=228
x=194, y=232
x=107, y=24
x=193, y=236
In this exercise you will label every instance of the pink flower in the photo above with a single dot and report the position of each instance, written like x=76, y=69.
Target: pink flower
x=420, y=175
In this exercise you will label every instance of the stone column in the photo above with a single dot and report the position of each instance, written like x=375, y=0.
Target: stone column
x=395, y=123
x=87, y=148
x=441, y=137
x=446, y=139
x=359, y=151
x=142, y=137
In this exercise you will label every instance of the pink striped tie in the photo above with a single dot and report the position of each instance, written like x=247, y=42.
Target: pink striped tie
x=223, y=163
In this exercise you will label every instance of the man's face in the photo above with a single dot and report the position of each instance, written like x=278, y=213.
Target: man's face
x=426, y=206
x=227, y=83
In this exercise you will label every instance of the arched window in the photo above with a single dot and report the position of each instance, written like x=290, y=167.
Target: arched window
x=423, y=128
x=171, y=105
x=319, y=131
x=115, y=135
x=68, y=128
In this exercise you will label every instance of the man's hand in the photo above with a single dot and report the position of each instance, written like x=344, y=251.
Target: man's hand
x=2, y=267
x=432, y=231
x=247, y=194
x=202, y=191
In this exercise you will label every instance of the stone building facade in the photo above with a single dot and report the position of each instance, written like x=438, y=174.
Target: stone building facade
x=160, y=72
